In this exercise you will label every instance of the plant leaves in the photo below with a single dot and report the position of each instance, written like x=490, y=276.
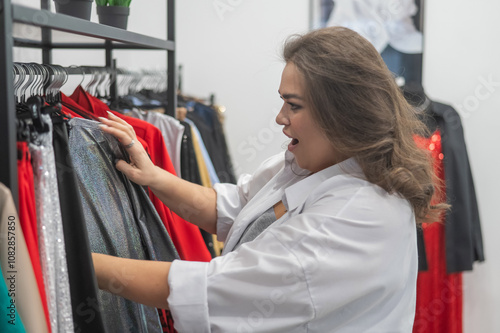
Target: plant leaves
x=122, y=3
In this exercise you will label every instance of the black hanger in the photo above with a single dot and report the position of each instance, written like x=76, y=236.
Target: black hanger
x=35, y=106
x=23, y=130
x=415, y=95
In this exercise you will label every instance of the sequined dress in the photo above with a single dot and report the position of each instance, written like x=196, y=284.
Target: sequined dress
x=439, y=294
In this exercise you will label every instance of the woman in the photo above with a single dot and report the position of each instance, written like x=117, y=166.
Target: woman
x=321, y=238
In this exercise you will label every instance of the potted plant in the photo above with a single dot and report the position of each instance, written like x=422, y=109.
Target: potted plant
x=113, y=12
x=76, y=8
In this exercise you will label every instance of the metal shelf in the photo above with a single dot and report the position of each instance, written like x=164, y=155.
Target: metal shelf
x=51, y=25
x=54, y=21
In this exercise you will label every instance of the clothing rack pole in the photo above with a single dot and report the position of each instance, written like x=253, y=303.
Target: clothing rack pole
x=111, y=63
x=171, y=67
x=46, y=37
x=114, y=86
x=8, y=149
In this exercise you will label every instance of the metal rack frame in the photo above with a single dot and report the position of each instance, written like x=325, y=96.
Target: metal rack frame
x=113, y=38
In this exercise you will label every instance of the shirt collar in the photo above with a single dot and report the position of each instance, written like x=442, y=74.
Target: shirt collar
x=297, y=193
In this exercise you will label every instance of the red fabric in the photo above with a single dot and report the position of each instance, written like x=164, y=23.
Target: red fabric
x=186, y=237
x=68, y=101
x=27, y=217
x=439, y=295
x=69, y=112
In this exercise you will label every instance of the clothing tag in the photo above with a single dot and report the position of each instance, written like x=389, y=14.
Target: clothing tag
x=279, y=209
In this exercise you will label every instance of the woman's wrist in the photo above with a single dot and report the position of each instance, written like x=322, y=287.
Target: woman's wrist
x=158, y=179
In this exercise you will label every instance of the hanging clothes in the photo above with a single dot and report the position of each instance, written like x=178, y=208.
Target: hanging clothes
x=214, y=179
x=170, y=128
x=439, y=294
x=463, y=237
x=189, y=164
x=50, y=232
x=28, y=223
x=186, y=236
x=173, y=132
x=68, y=105
x=205, y=181
x=464, y=241
x=191, y=172
x=454, y=244
x=83, y=283
x=210, y=128
x=120, y=218
x=202, y=167
x=208, y=178
x=78, y=111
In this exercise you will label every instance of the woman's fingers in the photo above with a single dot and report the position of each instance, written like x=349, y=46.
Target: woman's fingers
x=127, y=169
x=140, y=169
x=124, y=125
x=118, y=133
x=121, y=131
x=125, y=131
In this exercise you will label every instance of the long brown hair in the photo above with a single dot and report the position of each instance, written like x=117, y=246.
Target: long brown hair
x=357, y=103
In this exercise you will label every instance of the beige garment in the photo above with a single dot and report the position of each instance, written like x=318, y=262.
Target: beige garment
x=202, y=167
x=27, y=296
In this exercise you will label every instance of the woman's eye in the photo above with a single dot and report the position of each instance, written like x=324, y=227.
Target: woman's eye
x=294, y=106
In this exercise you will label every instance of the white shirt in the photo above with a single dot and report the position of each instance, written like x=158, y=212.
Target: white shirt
x=382, y=22
x=342, y=259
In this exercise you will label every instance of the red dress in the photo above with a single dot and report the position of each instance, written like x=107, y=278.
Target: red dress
x=439, y=294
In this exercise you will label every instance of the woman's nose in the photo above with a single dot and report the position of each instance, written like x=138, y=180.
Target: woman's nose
x=281, y=119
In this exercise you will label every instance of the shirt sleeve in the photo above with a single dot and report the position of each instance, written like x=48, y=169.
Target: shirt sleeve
x=241, y=291
x=232, y=198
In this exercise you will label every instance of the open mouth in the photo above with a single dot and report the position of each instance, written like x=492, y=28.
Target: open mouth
x=293, y=144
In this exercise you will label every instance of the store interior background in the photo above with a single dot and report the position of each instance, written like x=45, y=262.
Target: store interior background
x=231, y=48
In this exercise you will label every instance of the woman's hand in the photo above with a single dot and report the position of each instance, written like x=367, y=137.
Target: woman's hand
x=192, y=202
x=141, y=169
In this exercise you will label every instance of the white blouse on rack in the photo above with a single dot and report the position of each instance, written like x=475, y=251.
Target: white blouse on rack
x=382, y=22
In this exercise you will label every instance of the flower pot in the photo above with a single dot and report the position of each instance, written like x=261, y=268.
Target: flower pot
x=115, y=16
x=76, y=8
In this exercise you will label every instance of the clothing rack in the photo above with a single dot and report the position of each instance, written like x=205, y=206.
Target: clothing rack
x=110, y=38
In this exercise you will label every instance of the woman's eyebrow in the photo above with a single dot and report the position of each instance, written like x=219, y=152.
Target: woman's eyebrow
x=288, y=96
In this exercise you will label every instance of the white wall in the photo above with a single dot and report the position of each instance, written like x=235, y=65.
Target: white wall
x=232, y=48
x=461, y=53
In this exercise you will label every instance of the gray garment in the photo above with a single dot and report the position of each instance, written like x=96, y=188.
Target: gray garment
x=50, y=232
x=255, y=228
x=120, y=218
